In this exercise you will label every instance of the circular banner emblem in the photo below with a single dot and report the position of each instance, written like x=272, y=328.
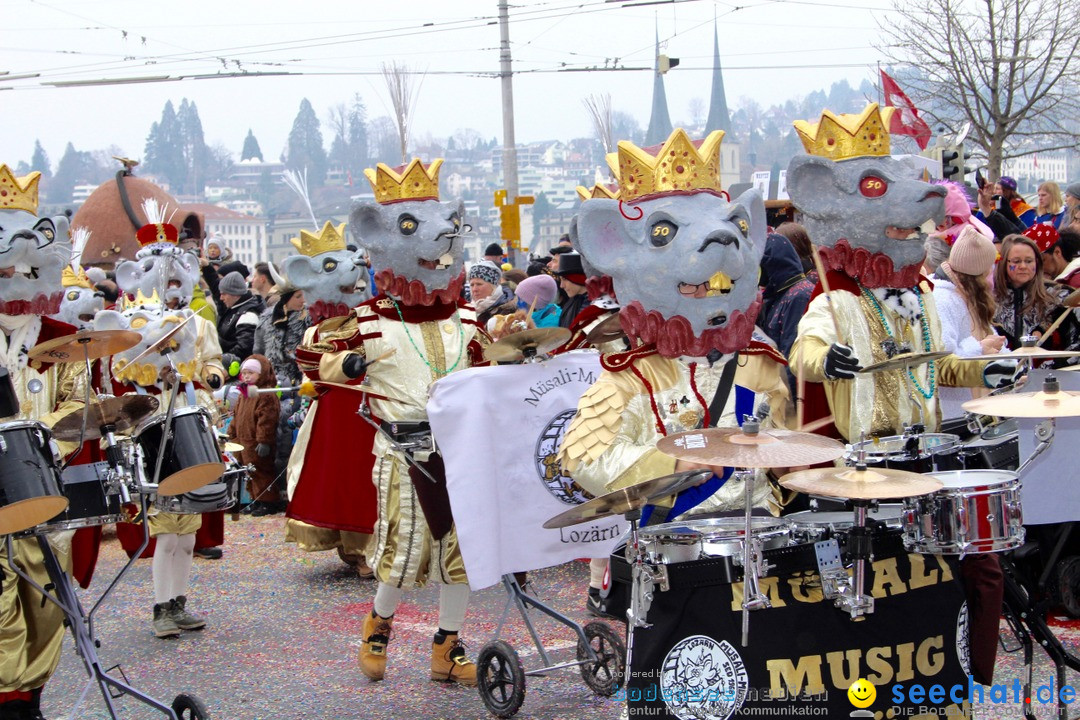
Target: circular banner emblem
x=561, y=486
x=703, y=679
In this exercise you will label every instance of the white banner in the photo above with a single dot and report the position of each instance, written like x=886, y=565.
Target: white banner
x=760, y=181
x=1048, y=491
x=498, y=429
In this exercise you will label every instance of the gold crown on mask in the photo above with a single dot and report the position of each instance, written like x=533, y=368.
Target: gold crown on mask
x=330, y=238
x=141, y=299
x=18, y=193
x=599, y=190
x=413, y=182
x=839, y=137
x=70, y=278
x=679, y=165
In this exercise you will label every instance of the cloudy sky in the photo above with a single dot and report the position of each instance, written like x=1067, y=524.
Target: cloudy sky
x=772, y=50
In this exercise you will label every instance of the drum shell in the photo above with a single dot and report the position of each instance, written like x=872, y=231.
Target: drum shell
x=90, y=500
x=937, y=451
x=978, y=511
x=209, y=498
x=29, y=463
x=192, y=443
x=714, y=537
x=809, y=526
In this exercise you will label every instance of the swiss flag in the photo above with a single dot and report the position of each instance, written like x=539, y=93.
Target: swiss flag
x=906, y=120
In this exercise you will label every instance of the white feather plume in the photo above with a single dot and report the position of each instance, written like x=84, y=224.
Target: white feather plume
x=298, y=184
x=79, y=237
x=155, y=214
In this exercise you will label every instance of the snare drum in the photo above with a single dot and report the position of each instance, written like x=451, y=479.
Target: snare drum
x=191, y=460
x=216, y=496
x=977, y=511
x=930, y=452
x=93, y=496
x=810, y=526
x=29, y=476
x=713, y=537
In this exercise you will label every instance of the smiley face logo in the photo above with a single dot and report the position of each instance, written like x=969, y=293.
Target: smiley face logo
x=862, y=694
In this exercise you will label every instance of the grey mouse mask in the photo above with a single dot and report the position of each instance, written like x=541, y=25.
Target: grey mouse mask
x=34, y=250
x=863, y=209
x=326, y=270
x=415, y=240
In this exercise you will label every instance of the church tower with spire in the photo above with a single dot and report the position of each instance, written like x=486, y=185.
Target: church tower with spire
x=659, y=121
x=720, y=119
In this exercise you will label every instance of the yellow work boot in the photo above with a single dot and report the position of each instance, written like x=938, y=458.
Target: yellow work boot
x=448, y=661
x=376, y=635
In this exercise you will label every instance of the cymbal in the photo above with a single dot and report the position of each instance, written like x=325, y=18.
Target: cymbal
x=527, y=343
x=854, y=484
x=1026, y=353
x=162, y=341
x=904, y=360
x=607, y=330
x=231, y=447
x=85, y=343
x=1041, y=404
x=731, y=447
x=626, y=499
x=124, y=412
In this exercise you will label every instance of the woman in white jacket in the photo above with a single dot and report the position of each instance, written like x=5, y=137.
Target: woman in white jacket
x=965, y=306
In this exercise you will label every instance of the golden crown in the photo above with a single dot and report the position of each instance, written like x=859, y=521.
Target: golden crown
x=599, y=190
x=141, y=299
x=70, y=278
x=415, y=182
x=680, y=165
x=839, y=137
x=18, y=193
x=329, y=238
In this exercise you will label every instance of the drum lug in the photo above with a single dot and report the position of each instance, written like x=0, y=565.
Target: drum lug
x=3, y=445
x=834, y=578
x=660, y=578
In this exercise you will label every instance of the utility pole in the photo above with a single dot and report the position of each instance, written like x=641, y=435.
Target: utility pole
x=510, y=175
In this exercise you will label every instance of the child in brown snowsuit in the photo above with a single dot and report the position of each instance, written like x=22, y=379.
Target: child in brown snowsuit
x=254, y=425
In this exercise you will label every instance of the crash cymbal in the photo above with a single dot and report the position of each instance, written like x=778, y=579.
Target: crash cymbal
x=619, y=502
x=903, y=361
x=161, y=342
x=607, y=330
x=123, y=412
x=93, y=343
x=1042, y=404
x=1026, y=353
x=855, y=484
x=231, y=447
x=732, y=447
x=526, y=344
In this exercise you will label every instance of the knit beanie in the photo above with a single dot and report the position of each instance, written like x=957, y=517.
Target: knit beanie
x=252, y=365
x=493, y=249
x=1073, y=190
x=538, y=288
x=1007, y=182
x=487, y=271
x=233, y=284
x=973, y=253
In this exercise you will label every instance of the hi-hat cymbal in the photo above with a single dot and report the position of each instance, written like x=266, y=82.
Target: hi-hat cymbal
x=231, y=447
x=904, y=360
x=731, y=447
x=85, y=343
x=1026, y=353
x=526, y=344
x=607, y=330
x=123, y=412
x=1041, y=404
x=626, y=499
x=162, y=341
x=855, y=484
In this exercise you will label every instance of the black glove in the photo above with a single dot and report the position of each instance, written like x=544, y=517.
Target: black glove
x=354, y=365
x=1001, y=373
x=841, y=363
x=262, y=450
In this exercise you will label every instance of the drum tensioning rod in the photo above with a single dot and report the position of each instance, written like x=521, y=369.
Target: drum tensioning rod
x=753, y=599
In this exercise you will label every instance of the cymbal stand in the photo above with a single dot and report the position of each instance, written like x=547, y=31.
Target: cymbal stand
x=85, y=343
x=852, y=599
x=753, y=561
x=645, y=579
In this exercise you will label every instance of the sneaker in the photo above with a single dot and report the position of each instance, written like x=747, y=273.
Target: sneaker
x=210, y=553
x=448, y=661
x=163, y=624
x=183, y=619
x=595, y=605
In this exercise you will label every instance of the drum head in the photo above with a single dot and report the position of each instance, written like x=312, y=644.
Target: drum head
x=959, y=479
x=191, y=478
x=25, y=514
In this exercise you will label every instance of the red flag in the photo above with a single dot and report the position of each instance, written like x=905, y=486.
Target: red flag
x=906, y=120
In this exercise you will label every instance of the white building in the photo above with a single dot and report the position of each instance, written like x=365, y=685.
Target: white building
x=244, y=234
x=1030, y=170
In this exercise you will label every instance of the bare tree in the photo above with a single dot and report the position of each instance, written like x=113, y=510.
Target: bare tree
x=399, y=82
x=1006, y=66
x=599, y=107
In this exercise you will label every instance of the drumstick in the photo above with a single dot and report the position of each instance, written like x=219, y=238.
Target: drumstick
x=800, y=394
x=828, y=295
x=1052, y=328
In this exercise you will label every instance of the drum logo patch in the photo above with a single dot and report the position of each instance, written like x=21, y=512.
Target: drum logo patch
x=546, y=456
x=963, y=639
x=703, y=679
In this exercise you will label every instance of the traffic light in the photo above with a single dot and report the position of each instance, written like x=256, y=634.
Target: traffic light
x=665, y=63
x=953, y=160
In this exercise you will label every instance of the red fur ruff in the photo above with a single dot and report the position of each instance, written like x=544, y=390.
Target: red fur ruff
x=412, y=292
x=40, y=305
x=322, y=310
x=674, y=337
x=599, y=286
x=873, y=270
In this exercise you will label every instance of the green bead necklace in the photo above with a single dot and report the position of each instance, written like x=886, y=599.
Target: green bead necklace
x=432, y=368
x=927, y=344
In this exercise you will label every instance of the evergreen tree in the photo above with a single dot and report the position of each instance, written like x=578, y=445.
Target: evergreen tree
x=164, y=155
x=40, y=161
x=75, y=168
x=194, y=148
x=305, y=147
x=251, y=148
x=357, y=140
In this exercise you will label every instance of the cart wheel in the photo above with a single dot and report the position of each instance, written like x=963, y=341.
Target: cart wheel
x=189, y=707
x=500, y=679
x=1068, y=585
x=604, y=676
x=347, y=557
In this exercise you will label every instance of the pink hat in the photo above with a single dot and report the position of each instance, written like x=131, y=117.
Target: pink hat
x=252, y=365
x=540, y=288
x=958, y=214
x=973, y=253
